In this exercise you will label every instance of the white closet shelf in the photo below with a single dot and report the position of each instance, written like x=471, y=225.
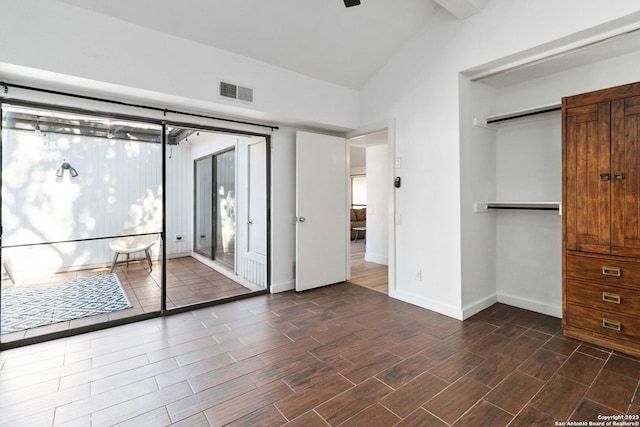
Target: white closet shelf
x=525, y=205
x=522, y=113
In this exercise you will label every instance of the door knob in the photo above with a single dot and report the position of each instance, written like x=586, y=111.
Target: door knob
x=302, y=219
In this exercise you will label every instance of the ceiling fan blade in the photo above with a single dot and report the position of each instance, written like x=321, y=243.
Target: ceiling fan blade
x=349, y=3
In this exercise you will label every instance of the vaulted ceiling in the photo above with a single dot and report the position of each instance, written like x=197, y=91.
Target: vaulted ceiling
x=318, y=38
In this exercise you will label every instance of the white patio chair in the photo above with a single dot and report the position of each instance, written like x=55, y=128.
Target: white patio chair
x=128, y=244
x=8, y=268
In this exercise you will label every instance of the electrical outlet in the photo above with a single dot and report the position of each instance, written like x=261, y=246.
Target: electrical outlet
x=419, y=276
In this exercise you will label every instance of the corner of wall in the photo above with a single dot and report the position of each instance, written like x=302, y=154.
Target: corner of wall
x=527, y=304
x=478, y=306
x=283, y=287
x=376, y=258
x=427, y=303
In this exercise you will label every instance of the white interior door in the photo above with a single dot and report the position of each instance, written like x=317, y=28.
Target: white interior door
x=321, y=210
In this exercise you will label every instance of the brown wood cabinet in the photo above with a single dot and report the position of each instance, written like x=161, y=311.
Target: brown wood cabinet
x=601, y=217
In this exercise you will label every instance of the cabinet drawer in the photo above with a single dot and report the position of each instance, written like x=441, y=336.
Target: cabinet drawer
x=604, y=297
x=605, y=269
x=606, y=323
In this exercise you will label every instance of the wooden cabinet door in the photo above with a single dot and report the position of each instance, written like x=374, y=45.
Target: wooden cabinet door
x=625, y=183
x=587, y=177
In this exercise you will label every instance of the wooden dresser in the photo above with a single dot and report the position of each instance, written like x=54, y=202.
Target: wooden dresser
x=601, y=217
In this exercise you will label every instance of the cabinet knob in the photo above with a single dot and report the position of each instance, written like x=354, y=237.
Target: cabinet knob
x=604, y=176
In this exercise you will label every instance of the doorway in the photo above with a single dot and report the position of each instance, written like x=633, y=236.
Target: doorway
x=213, y=254
x=371, y=198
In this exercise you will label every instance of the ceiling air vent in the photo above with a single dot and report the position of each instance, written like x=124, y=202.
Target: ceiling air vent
x=230, y=90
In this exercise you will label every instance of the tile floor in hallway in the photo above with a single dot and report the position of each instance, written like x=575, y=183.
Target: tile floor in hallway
x=368, y=274
x=342, y=355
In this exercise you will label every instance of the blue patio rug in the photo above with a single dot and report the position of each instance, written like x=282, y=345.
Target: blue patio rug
x=31, y=306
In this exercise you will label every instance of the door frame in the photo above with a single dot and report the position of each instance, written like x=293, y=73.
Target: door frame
x=389, y=126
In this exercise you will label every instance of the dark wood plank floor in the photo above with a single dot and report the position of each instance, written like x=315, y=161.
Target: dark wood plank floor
x=341, y=355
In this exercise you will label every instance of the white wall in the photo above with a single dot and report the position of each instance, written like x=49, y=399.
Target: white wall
x=478, y=183
x=419, y=89
x=378, y=190
x=119, y=185
x=283, y=225
x=529, y=243
x=357, y=160
x=88, y=49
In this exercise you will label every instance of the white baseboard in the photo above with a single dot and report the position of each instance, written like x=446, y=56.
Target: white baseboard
x=375, y=258
x=420, y=301
x=537, y=306
x=478, y=306
x=282, y=287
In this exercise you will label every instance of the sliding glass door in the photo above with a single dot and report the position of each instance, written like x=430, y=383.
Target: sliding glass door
x=215, y=207
x=82, y=220
x=110, y=218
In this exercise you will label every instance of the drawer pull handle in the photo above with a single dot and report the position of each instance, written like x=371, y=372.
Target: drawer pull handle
x=611, y=324
x=609, y=297
x=611, y=271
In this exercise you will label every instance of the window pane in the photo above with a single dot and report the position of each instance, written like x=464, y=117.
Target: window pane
x=359, y=190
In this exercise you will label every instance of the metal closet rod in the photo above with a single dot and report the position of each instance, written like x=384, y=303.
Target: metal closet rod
x=523, y=113
x=524, y=208
x=129, y=104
